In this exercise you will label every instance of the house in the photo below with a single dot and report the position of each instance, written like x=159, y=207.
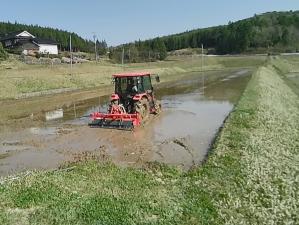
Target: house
x=46, y=46
x=27, y=43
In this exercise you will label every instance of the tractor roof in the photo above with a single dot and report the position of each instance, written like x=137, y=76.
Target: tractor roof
x=134, y=74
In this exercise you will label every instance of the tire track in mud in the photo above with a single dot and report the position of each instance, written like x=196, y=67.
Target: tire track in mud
x=181, y=142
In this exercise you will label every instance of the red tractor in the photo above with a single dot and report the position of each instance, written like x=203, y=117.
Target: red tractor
x=131, y=103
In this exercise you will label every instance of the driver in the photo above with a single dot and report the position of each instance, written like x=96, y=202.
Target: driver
x=132, y=87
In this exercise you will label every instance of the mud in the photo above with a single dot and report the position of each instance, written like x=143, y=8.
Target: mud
x=48, y=137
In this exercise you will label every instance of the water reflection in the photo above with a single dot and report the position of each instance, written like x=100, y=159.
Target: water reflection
x=54, y=115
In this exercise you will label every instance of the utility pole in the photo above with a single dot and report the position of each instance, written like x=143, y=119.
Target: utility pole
x=203, y=75
x=123, y=56
x=129, y=55
x=95, y=46
x=71, y=55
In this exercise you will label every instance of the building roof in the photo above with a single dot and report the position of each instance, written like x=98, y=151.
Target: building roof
x=40, y=41
x=134, y=74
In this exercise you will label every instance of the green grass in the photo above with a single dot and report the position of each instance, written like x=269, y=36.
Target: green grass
x=252, y=171
x=250, y=176
x=94, y=194
x=17, y=78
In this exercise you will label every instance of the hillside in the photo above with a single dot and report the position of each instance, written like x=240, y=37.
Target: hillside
x=278, y=31
x=60, y=36
x=265, y=33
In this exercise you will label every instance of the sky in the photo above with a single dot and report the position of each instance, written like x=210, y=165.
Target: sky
x=124, y=21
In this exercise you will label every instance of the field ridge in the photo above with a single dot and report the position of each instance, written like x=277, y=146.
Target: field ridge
x=255, y=161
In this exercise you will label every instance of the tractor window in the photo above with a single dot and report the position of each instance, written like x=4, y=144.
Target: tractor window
x=120, y=85
x=139, y=84
x=147, y=85
x=125, y=85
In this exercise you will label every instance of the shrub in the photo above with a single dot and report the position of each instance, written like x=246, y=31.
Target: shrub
x=3, y=53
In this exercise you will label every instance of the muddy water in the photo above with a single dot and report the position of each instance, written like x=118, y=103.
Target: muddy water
x=181, y=135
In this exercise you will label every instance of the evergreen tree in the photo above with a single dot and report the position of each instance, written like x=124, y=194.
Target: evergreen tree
x=159, y=49
x=102, y=47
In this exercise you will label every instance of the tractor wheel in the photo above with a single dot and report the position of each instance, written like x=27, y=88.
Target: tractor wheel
x=158, y=106
x=143, y=108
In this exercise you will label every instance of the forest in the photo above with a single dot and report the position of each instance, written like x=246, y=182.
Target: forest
x=274, y=31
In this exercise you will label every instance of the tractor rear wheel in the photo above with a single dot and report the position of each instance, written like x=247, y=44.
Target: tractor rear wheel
x=143, y=108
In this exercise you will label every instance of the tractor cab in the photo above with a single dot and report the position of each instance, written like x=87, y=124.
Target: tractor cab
x=130, y=87
x=133, y=84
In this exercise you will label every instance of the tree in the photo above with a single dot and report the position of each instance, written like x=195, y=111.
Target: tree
x=133, y=53
x=159, y=49
x=285, y=37
x=102, y=47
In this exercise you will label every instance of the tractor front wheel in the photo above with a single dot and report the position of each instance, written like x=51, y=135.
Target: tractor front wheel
x=143, y=108
x=158, y=107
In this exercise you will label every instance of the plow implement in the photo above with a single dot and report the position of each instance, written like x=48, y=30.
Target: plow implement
x=117, y=121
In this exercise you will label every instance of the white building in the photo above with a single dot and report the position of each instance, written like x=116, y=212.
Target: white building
x=46, y=46
x=28, y=43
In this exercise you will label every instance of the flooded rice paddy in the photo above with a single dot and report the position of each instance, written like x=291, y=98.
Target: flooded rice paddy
x=193, y=112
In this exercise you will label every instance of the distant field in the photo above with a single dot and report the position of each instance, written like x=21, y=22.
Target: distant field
x=17, y=78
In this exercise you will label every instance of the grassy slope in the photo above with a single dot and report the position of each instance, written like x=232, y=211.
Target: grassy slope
x=21, y=78
x=251, y=176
